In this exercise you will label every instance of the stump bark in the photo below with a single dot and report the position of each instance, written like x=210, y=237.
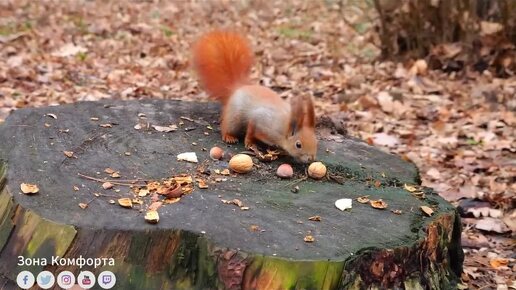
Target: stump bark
x=201, y=242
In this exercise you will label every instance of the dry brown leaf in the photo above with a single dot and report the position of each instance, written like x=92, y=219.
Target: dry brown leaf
x=309, y=239
x=83, y=205
x=29, y=189
x=75, y=188
x=115, y=175
x=109, y=170
x=68, y=154
x=499, y=262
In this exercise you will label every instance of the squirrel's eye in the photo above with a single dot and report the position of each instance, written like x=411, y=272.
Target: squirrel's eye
x=298, y=144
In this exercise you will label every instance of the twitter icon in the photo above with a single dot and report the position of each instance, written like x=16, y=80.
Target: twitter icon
x=45, y=280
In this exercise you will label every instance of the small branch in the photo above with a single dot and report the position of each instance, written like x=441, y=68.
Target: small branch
x=296, y=181
x=126, y=183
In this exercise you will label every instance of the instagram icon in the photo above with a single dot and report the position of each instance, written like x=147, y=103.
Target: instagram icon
x=66, y=279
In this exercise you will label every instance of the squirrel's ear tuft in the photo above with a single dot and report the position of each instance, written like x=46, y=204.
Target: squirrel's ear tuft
x=310, y=113
x=297, y=115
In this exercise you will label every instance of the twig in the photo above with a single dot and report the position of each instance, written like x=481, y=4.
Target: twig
x=296, y=181
x=110, y=181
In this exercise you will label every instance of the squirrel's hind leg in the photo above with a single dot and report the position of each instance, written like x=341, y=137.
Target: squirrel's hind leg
x=225, y=127
x=250, y=139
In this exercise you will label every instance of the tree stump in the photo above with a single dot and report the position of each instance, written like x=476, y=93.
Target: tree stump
x=201, y=242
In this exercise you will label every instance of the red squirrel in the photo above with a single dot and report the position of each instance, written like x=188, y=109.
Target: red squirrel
x=223, y=61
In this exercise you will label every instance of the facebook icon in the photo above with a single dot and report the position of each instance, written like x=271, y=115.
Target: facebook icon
x=25, y=280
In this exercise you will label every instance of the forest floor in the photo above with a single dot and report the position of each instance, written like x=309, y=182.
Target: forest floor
x=458, y=128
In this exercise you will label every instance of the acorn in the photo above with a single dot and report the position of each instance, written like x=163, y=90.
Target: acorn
x=241, y=163
x=216, y=153
x=285, y=171
x=317, y=170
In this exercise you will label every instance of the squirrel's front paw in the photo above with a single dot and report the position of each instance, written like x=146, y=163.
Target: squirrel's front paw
x=229, y=139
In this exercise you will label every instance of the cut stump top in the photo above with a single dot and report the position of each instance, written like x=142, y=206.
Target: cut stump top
x=33, y=143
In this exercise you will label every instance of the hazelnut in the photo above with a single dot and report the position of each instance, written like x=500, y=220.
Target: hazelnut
x=216, y=153
x=285, y=171
x=241, y=163
x=317, y=170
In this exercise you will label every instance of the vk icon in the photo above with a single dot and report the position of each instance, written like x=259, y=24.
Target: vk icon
x=25, y=280
x=45, y=280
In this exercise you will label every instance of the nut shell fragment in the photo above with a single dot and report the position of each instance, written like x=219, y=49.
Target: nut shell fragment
x=152, y=217
x=125, y=202
x=29, y=189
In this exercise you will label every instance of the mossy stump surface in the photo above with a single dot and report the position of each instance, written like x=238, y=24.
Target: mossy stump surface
x=201, y=242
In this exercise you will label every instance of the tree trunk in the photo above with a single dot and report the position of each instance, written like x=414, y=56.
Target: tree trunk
x=201, y=242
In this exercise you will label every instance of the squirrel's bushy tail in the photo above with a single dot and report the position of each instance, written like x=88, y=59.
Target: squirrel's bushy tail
x=223, y=61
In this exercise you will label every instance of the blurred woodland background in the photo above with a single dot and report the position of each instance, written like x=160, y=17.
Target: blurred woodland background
x=433, y=81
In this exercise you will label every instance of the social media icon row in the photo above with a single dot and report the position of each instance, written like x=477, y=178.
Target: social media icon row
x=65, y=280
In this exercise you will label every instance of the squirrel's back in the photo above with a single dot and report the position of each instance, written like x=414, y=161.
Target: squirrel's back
x=223, y=61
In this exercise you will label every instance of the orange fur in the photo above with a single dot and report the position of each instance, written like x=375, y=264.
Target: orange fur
x=223, y=61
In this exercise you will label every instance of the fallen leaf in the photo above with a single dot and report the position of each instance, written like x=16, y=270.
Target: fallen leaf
x=254, y=228
x=29, y=189
x=83, y=205
x=309, y=239
x=109, y=170
x=499, y=262
x=69, y=49
x=75, y=188
x=225, y=172
x=115, y=175
x=383, y=139
x=106, y=125
x=492, y=225
x=68, y=154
